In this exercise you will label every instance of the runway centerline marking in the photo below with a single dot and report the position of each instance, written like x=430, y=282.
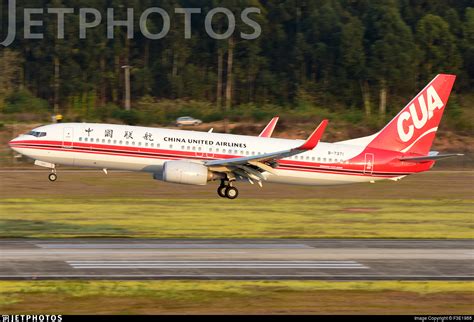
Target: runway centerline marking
x=216, y=264
x=230, y=276
x=211, y=261
x=86, y=252
x=174, y=246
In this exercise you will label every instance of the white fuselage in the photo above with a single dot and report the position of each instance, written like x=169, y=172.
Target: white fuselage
x=108, y=146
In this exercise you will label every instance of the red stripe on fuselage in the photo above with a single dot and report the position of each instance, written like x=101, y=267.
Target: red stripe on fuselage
x=175, y=155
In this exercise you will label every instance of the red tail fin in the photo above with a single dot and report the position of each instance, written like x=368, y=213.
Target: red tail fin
x=414, y=128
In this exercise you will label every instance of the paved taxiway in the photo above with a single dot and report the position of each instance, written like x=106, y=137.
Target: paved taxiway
x=325, y=259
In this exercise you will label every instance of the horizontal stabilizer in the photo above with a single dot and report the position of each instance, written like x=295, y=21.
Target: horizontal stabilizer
x=431, y=157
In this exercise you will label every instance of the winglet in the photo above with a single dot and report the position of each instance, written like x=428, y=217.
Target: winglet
x=315, y=137
x=268, y=130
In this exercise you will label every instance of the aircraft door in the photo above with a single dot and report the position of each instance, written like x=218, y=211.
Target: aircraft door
x=68, y=136
x=369, y=164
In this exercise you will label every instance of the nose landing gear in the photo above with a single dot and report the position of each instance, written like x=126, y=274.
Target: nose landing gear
x=226, y=190
x=53, y=176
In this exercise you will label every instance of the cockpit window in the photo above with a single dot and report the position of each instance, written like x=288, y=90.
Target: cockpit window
x=37, y=134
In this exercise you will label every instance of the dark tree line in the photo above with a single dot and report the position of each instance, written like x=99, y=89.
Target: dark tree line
x=339, y=53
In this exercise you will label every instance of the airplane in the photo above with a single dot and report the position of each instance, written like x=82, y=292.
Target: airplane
x=400, y=149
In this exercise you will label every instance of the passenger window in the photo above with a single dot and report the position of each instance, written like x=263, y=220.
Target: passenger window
x=199, y=149
x=153, y=145
x=103, y=140
x=109, y=141
x=80, y=139
x=120, y=142
x=171, y=146
x=85, y=140
x=115, y=141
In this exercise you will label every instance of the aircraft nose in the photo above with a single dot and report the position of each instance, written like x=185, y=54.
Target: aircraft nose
x=12, y=143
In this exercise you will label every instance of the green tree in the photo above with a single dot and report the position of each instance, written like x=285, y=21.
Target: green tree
x=354, y=61
x=438, y=47
x=393, y=52
x=10, y=77
x=468, y=46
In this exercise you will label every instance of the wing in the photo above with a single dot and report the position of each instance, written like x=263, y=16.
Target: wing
x=252, y=167
x=268, y=130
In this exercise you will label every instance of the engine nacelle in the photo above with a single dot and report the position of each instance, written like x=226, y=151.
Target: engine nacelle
x=185, y=172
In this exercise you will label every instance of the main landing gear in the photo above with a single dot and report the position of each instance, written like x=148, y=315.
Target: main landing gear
x=226, y=190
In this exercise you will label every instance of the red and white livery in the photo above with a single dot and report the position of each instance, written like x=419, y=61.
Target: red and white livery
x=401, y=148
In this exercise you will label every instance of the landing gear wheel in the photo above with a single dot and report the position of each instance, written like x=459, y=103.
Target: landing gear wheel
x=221, y=191
x=231, y=192
x=53, y=177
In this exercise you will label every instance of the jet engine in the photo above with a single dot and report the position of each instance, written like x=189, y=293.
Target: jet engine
x=185, y=172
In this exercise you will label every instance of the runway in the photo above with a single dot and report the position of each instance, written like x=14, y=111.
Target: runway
x=322, y=259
